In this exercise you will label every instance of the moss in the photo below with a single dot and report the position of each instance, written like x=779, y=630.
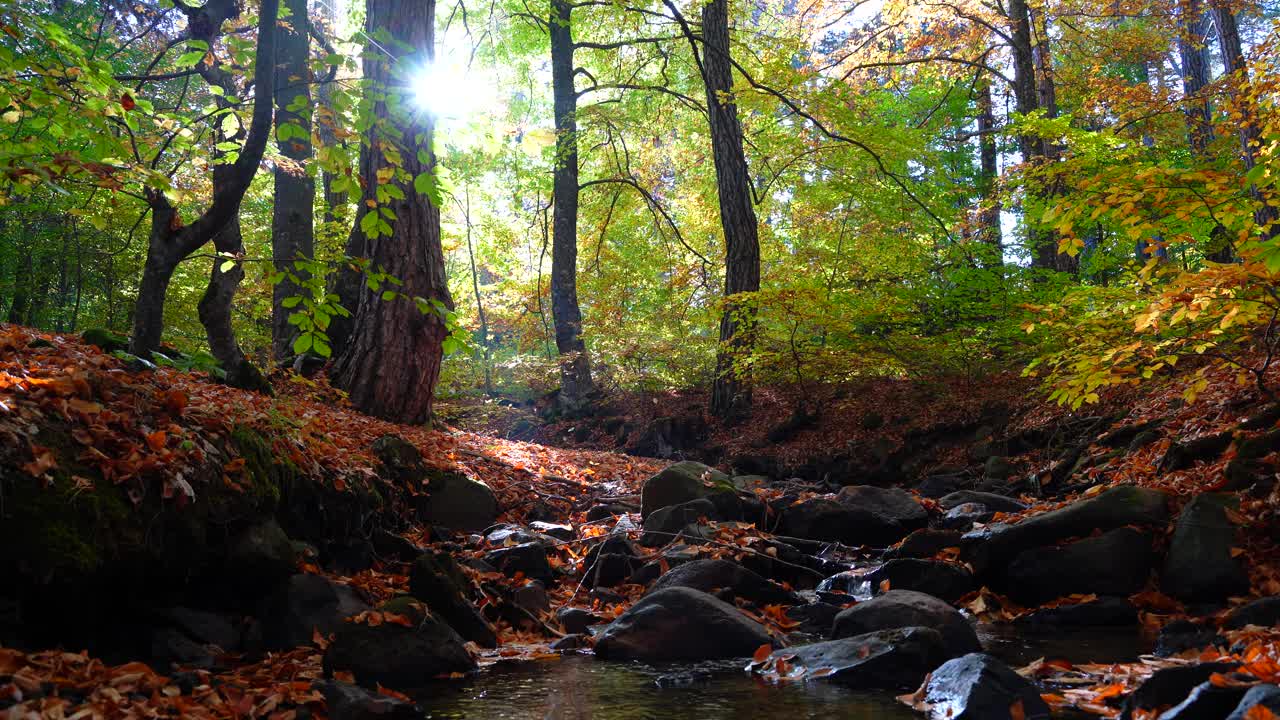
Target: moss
x=64, y=528
x=267, y=473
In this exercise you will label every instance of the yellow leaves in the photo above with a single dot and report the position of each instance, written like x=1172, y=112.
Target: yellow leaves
x=385, y=175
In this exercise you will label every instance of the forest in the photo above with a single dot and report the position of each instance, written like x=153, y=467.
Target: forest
x=633, y=359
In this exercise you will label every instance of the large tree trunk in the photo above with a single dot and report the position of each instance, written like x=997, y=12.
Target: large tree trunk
x=292, y=228
x=989, y=234
x=171, y=241
x=575, y=367
x=391, y=358
x=731, y=393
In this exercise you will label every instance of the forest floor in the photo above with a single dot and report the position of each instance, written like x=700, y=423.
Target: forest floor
x=77, y=423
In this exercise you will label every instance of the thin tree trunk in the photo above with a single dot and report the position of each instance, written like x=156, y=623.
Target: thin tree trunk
x=475, y=287
x=989, y=173
x=575, y=367
x=292, y=221
x=391, y=358
x=326, y=120
x=1027, y=93
x=1193, y=52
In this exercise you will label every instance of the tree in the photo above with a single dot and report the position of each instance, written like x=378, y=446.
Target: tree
x=575, y=366
x=390, y=359
x=292, y=218
x=988, y=177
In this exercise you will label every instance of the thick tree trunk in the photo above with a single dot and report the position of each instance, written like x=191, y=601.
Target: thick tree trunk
x=391, y=358
x=575, y=367
x=292, y=227
x=1193, y=50
x=731, y=393
x=989, y=232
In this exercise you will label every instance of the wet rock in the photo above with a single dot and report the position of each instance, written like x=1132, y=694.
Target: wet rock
x=924, y=543
x=576, y=620
x=964, y=517
x=1206, y=702
x=304, y=605
x=847, y=582
x=570, y=642
x=890, y=504
x=980, y=687
x=680, y=624
x=453, y=500
x=261, y=555
x=666, y=524
x=1102, y=612
x=991, y=549
x=350, y=702
x=396, y=656
x=1169, y=686
x=860, y=515
x=999, y=503
x=1114, y=563
x=1182, y=635
x=943, y=580
x=1267, y=696
x=554, y=530
x=532, y=596
x=816, y=617
x=436, y=580
x=1199, y=566
x=528, y=558
x=907, y=608
x=895, y=658
x=1263, y=613
x=711, y=575
x=680, y=483
x=508, y=535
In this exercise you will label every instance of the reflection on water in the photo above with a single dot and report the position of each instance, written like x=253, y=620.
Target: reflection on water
x=1018, y=646
x=583, y=688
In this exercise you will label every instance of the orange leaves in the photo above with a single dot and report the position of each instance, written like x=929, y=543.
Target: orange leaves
x=374, y=618
x=762, y=653
x=156, y=440
x=43, y=461
x=1259, y=712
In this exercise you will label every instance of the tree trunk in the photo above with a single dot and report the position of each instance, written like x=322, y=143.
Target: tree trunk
x=989, y=232
x=731, y=393
x=1193, y=50
x=475, y=287
x=391, y=358
x=575, y=366
x=292, y=230
x=325, y=122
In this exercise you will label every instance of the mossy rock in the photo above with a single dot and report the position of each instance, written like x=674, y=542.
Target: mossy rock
x=108, y=340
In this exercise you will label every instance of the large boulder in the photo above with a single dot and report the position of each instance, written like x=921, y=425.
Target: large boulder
x=711, y=575
x=991, y=549
x=303, y=606
x=436, y=579
x=682, y=482
x=452, y=499
x=665, y=524
x=1117, y=562
x=907, y=608
x=397, y=655
x=897, y=658
x=943, y=580
x=857, y=516
x=980, y=687
x=924, y=543
x=680, y=623
x=1263, y=613
x=1199, y=566
x=892, y=505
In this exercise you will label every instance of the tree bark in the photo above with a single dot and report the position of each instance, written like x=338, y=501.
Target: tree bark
x=292, y=221
x=731, y=392
x=989, y=232
x=575, y=366
x=1193, y=50
x=391, y=358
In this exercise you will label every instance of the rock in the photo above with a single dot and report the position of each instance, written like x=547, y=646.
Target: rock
x=816, y=617
x=453, y=500
x=108, y=341
x=350, y=702
x=1206, y=702
x=680, y=483
x=711, y=575
x=350, y=557
x=1199, y=566
x=390, y=545
x=204, y=627
x=680, y=624
x=1267, y=696
x=895, y=658
x=1169, y=686
x=571, y=642
x=508, y=535
x=170, y=645
x=665, y=524
x=611, y=569
x=1182, y=635
x=554, y=530
x=890, y=504
x=1117, y=562
x=846, y=582
x=602, y=512
x=990, y=549
x=532, y=596
x=994, y=501
x=1263, y=613
x=937, y=486
x=1102, y=612
x=1123, y=435
x=908, y=608
x=436, y=579
x=980, y=687
x=575, y=620
x=396, y=656
x=997, y=468
x=304, y=605
x=943, y=580
x=860, y=515
x=261, y=555
x=1184, y=454
x=964, y=517
x=924, y=543
x=527, y=558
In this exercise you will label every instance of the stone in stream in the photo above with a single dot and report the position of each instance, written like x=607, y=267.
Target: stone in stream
x=859, y=515
x=1206, y=701
x=1169, y=686
x=396, y=656
x=1267, y=696
x=994, y=501
x=680, y=624
x=1182, y=635
x=344, y=701
x=665, y=524
x=507, y=535
x=1100, y=612
x=436, y=579
x=894, y=658
x=907, y=608
x=304, y=605
x=610, y=562
x=680, y=483
x=943, y=580
x=1199, y=566
x=990, y=549
x=890, y=504
x=816, y=617
x=1117, y=562
x=529, y=558
x=711, y=575
x=964, y=517
x=1263, y=613
x=575, y=620
x=924, y=543
x=980, y=687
